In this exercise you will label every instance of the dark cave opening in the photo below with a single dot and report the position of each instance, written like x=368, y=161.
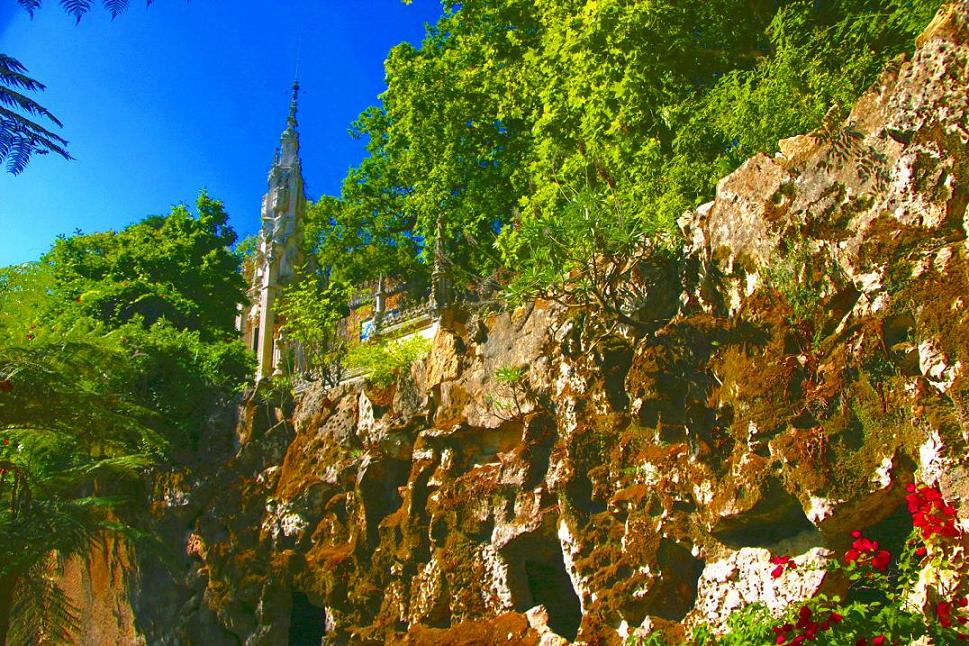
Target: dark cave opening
x=307, y=623
x=777, y=515
x=550, y=586
x=379, y=487
x=537, y=576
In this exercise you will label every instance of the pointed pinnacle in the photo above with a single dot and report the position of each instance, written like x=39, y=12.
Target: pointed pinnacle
x=292, y=104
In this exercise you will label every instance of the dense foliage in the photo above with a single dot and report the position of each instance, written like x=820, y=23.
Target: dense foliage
x=513, y=117
x=115, y=350
x=312, y=309
x=383, y=362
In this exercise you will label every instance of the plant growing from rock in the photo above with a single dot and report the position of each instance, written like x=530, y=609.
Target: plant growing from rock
x=384, y=362
x=313, y=309
x=512, y=393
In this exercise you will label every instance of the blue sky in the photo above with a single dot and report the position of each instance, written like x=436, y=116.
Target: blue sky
x=165, y=101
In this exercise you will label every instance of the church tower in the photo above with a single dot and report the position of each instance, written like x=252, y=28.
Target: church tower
x=279, y=254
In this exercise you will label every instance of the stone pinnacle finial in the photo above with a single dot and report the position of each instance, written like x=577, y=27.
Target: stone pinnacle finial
x=292, y=105
x=440, y=281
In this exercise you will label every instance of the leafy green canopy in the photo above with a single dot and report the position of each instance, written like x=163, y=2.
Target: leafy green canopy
x=177, y=267
x=511, y=110
x=312, y=309
x=115, y=351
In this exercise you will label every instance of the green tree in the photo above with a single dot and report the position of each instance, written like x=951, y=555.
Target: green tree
x=115, y=350
x=170, y=287
x=652, y=103
x=446, y=141
x=512, y=118
x=178, y=267
x=312, y=310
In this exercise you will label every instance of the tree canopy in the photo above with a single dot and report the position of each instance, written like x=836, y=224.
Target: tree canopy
x=115, y=351
x=512, y=117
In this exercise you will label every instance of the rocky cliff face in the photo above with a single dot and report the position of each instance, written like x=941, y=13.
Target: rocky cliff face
x=543, y=475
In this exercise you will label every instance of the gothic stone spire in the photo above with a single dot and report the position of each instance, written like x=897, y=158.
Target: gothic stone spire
x=280, y=242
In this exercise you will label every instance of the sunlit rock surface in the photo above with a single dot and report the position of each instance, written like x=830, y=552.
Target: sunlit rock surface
x=624, y=484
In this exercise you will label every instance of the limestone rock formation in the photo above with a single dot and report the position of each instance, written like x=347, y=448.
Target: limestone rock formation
x=816, y=362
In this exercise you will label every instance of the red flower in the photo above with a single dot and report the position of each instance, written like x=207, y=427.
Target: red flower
x=943, y=613
x=930, y=514
x=806, y=625
x=865, y=551
x=6, y=386
x=782, y=562
x=878, y=641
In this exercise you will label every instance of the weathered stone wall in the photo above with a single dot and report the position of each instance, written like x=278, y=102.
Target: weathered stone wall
x=813, y=361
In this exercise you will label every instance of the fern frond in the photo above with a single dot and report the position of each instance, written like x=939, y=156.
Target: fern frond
x=25, y=125
x=19, y=155
x=116, y=7
x=41, y=612
x=12, y=74
x=29, y=5
x=77, y=8
x=15, y=99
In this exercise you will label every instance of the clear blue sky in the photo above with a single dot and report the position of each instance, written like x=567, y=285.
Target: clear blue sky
x=177, y=97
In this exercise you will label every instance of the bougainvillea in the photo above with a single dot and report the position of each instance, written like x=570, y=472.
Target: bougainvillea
x=783, y=563
x=893, y=598
x=865, y=551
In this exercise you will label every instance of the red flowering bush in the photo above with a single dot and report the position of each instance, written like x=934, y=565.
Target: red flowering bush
x=865, y=551
x=807, y=627
x=881, y=607
x=930, y=514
